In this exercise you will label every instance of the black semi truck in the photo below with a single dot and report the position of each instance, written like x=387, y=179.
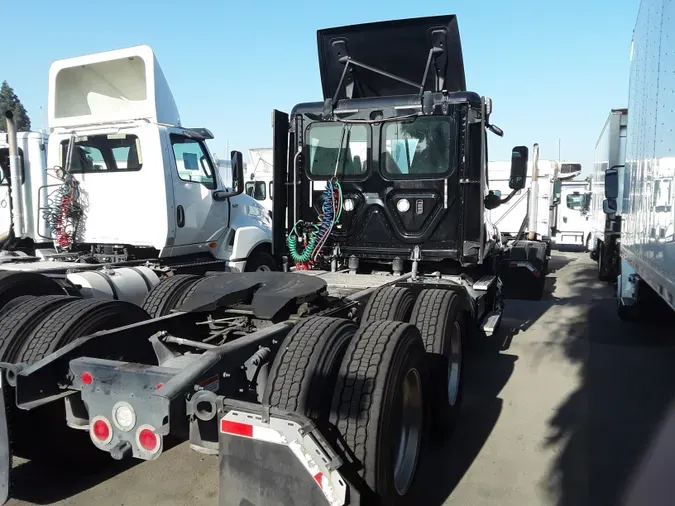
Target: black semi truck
x=319, y=384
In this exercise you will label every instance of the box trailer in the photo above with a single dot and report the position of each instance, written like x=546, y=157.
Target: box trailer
x=647, y=249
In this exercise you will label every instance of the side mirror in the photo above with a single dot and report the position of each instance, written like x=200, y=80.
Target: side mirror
x=498, y=193
x=237, y=168
x=612, y=183
x=519, y=158
x=609, y=206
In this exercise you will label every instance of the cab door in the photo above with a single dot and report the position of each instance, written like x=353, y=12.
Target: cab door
x=199, y=218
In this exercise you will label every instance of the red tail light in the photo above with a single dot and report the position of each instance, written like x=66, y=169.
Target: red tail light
x=147, y=440
x=87, y=378
x=100, y=430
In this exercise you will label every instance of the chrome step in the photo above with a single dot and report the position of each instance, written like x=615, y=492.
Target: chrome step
x=484, y=283
x=491, y=322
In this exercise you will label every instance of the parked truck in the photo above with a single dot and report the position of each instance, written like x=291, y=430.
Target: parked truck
x=320, y=384
x=259, y=176
x=571, y=226
x=118, y=194
x=605, y=229
x=647, y=204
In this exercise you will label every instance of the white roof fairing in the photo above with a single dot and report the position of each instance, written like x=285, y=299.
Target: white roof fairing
x=121, y=85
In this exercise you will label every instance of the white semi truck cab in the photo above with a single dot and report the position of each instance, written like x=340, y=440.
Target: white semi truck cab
x=124, y=183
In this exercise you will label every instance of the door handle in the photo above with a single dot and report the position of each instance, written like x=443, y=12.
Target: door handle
x=180, y=216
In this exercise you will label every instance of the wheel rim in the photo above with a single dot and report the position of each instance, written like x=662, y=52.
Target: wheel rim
x=407, y=450
x=455, y=364
x=263, y=268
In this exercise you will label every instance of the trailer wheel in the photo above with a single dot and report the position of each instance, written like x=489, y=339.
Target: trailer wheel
x=166, y=295
x=378, y=406
x=18, y=322
x=393, y=303
x=80, y=318
x=16, y=284
x=304, y=372
x=439, y=317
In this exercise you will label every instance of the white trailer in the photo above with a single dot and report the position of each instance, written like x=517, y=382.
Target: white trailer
x=127, y=187
x=647, y=249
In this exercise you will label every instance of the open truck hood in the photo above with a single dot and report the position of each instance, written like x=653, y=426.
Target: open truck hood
x=399, y=47
x=121, y=85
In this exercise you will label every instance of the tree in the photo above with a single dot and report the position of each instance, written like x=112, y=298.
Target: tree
x=10, y=102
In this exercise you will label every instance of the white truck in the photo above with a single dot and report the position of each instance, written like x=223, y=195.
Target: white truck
x=647, y=206
x=128, y=187
x=605, y=229
x=571, y=217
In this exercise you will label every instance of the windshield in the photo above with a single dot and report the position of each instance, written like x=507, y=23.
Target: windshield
x=420, y=147
x=324, y=146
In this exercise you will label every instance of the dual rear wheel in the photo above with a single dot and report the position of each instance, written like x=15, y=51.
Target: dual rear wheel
x=381, y=385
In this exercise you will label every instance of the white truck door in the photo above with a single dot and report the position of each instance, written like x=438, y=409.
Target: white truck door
x=200, y=220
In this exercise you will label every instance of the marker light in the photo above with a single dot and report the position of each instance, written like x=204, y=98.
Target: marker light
x=348, y=205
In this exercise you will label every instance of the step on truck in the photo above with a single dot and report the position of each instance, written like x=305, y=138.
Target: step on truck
x=324, y=383
x=646, y=278
x=608, y=185
x=119, y=194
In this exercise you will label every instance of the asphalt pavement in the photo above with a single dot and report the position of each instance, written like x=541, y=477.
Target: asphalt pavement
x=558, y=410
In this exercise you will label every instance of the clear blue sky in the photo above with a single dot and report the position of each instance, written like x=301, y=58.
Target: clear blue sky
x=553, y=69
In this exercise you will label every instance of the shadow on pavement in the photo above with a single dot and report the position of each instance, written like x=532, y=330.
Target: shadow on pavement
x=602, y=429
x=444, y=464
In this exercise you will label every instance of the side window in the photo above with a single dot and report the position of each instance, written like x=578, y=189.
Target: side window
x=575, y=201
x=103, y=153
x=260, y=192
x=250, y=187
x=192, y=162
x=271, y=196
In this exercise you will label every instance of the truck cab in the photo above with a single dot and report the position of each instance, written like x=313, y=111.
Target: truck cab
x=400, y=143
x=126, y=179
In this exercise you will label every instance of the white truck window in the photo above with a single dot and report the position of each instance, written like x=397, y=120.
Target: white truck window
x=103, y=153
x=192, y=162
x=256, y=189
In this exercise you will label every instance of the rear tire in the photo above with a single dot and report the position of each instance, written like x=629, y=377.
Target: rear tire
x=304, y=372
x=392, y=303
x=166, y=295
x=378, y=406
x=77, y=319
x=16, y=284
x=19, y=321
x=438, y=316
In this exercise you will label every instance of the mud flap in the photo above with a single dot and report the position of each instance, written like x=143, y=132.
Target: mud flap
x=5, y=454
x=283, y=460
x=524, y=270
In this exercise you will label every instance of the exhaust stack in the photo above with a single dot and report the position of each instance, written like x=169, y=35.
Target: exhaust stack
x=15, y=171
